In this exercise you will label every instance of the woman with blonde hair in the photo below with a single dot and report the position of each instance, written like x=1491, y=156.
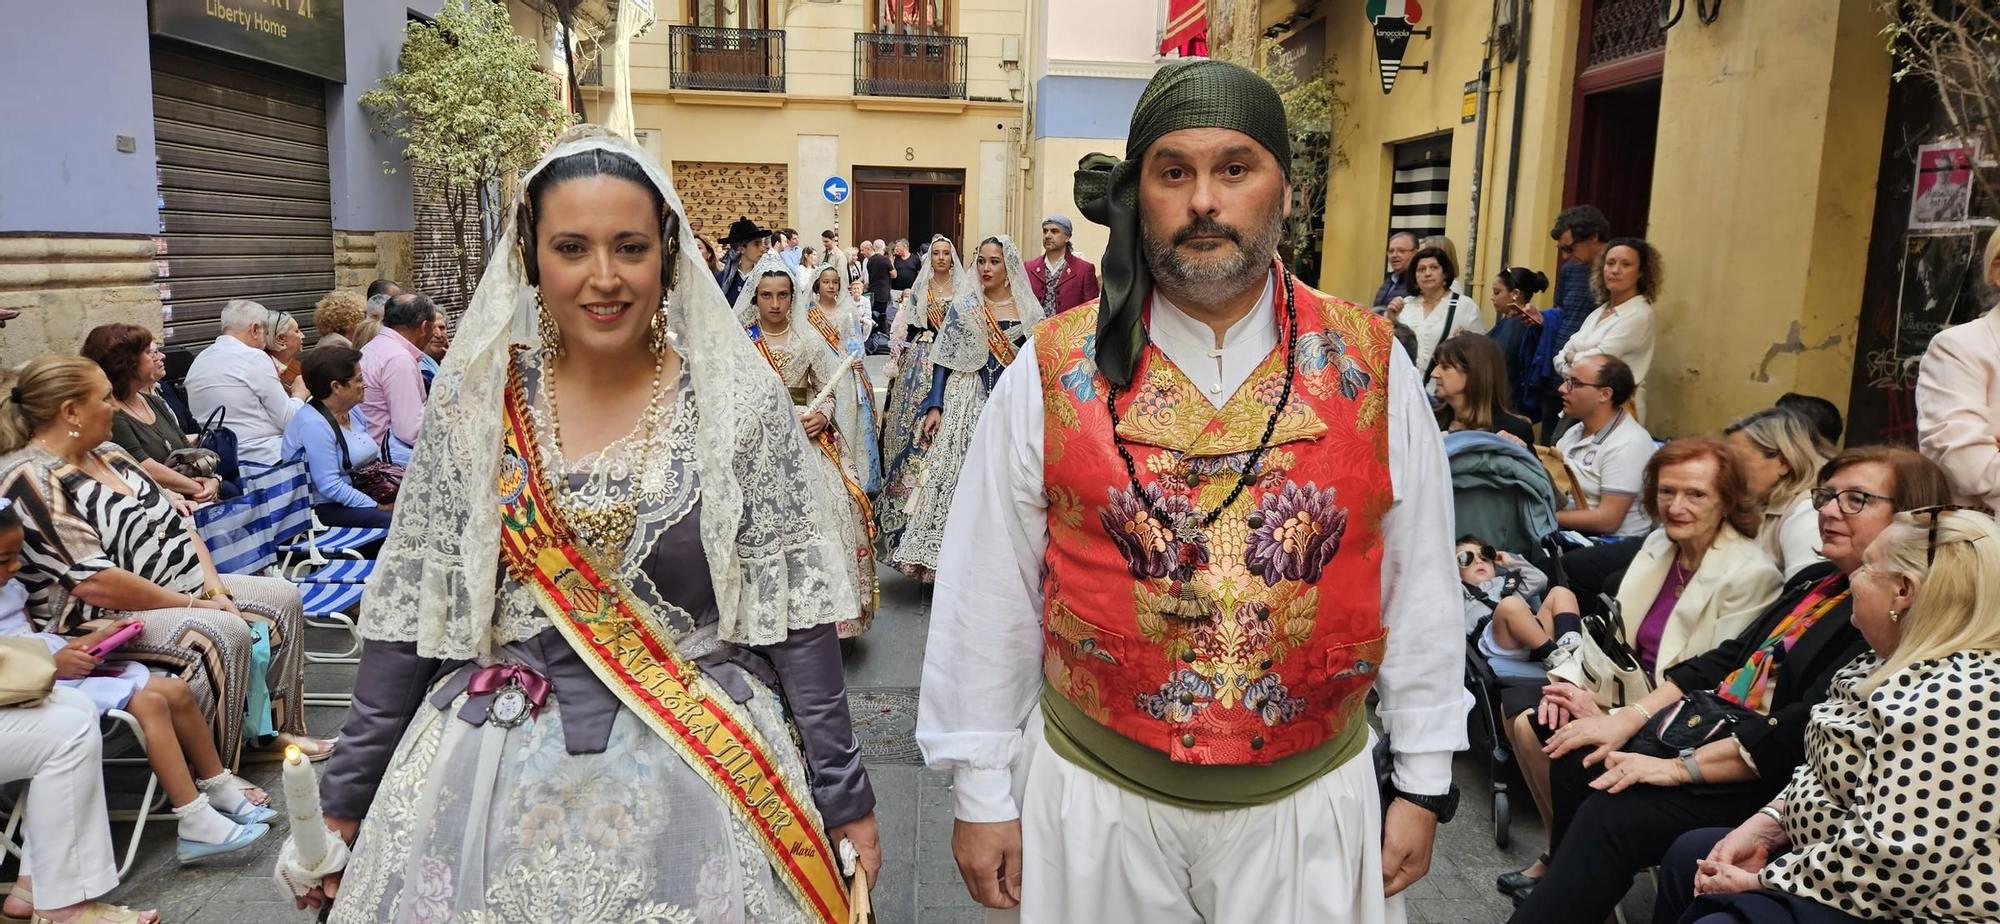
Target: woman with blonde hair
x=1891, y=816
x=104, y=540
x=1780, y=458
x=284, y=343
x=337, y=315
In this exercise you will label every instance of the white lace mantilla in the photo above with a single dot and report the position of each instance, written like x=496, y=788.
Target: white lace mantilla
x=773, y=563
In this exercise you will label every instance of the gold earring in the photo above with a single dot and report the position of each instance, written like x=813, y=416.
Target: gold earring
x=546, y=323
x=1895, y=616
x=657, y=335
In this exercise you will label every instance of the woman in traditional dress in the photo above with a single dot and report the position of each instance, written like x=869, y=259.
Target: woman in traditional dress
x=607, y=563
x=986, y=325
x=818, y=373
x=832, y=312
x=911, y=336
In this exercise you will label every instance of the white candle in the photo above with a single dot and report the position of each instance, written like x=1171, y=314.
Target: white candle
x=302, y=806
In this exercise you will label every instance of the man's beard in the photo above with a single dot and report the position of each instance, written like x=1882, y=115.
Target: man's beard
x=1214, y=282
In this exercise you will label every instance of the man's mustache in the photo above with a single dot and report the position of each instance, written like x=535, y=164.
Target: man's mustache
x=1205, y=226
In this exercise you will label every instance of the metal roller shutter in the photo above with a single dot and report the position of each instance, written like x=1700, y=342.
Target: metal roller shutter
x=245, y=204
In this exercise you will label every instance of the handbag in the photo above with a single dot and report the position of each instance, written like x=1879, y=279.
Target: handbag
x=381, y=479
x=1699, y=717
x=1604, y=664
x=27, y=671
x=216, y=437
x=194, y=462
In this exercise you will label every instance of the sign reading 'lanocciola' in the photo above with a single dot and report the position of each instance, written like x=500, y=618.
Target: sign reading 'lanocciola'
x=303, y=35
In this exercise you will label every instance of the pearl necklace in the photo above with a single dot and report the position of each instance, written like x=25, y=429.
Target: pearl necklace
x=602, y=529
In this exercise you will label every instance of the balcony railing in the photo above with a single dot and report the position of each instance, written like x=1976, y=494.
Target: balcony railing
x=745, y=60
x=931, y=66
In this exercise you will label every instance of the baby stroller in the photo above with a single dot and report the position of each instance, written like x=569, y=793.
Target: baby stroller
x=1501, y=493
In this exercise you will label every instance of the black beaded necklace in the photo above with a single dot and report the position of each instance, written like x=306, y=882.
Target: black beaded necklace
x=1189, y=530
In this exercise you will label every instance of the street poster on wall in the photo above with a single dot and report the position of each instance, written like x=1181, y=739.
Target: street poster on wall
x=1938, y=288
x=1943, y=196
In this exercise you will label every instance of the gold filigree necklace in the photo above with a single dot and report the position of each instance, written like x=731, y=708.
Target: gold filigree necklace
x=603, y=528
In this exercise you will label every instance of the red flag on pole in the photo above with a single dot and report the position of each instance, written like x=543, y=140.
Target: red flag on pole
x=1187, y=29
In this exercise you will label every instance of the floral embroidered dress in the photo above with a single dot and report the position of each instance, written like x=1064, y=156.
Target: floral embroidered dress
x=806, y=363
x=583, y=813
x=916, y=330
x=973, y=348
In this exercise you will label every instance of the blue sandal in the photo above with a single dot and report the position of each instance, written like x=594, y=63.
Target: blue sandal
x=191, y=851
x=255, y=814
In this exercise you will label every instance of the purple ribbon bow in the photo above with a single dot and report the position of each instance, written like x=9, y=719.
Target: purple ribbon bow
x=492, y=678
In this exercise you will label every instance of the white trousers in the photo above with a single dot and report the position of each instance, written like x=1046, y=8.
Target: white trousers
x=56, y=746
x=1093, y=853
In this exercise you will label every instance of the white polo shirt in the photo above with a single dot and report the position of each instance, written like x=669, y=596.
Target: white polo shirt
x=1612, y=461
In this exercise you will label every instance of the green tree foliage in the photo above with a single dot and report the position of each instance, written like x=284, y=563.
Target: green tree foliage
x=1954, y=45
x=1313, y=106
x=473, y=110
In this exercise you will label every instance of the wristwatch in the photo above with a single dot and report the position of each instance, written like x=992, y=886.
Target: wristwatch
x=1693, y=766
x=1444, y=806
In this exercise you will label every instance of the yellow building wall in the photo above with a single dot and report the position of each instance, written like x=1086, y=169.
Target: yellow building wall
x=1427, y=104
x=818, y=128
x=1763, y=186
x=1763, y=196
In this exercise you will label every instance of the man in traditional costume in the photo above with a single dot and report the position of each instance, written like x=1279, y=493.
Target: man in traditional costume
x=1200, y=521
x=819, y=375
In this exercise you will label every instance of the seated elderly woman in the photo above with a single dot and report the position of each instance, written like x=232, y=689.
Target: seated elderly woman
x=104, y=540
x=1627, y=782
x=333, y=376
x=337, y=315
x=1696, y=581
x=143, y=425
x=1891, y=815
x=284, y=344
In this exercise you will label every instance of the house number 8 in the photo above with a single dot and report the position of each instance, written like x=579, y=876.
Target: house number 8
x=909, y=153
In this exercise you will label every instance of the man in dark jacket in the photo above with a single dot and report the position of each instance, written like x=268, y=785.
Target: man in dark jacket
x=1061, y=279
x=746, y=244
x=879, y=282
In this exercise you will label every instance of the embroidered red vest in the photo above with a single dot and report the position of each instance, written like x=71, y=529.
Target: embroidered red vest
x=1270, y=644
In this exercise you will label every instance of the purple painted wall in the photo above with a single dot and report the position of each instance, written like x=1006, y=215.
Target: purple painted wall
x=77, y=77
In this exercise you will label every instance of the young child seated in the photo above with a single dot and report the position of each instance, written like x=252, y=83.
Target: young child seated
x=218, y=811
x=1518, y=639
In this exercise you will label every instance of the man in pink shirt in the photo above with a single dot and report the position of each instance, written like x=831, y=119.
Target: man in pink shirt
x=393, y=383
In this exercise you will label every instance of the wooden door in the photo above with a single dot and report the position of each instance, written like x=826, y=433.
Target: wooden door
x=883, y=212
x=1620, y=129
x=947, y=213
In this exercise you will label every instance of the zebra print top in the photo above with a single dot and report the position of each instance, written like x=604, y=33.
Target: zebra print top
x=76, y=527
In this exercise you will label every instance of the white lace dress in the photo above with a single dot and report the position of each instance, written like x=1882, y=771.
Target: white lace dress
x=480, y=823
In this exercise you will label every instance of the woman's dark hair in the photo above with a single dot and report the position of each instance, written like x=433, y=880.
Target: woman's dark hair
x=1529, y=283
x=322, y=366
x=1821, y=413
x=10, y=519
x=1444, y=261
x=1919, y=481
x=1485, y=368
x=1407, y=336
x=583, y=165
x=119, y=349
x=791, y=281
x=1740, y=508
x=1652, y=270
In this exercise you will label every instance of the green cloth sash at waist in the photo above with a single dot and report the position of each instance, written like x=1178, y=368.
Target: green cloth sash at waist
x=1132, y=766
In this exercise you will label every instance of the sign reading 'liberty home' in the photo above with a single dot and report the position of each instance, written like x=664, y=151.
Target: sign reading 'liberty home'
x=302, y=35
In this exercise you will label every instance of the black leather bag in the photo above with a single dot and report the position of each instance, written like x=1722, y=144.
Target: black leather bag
x=1699, y=718
x=216, y=437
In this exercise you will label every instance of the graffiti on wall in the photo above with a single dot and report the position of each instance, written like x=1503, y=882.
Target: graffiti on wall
x=718, y=193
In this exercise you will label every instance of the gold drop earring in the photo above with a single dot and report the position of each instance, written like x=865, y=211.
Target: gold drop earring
x=552, y=346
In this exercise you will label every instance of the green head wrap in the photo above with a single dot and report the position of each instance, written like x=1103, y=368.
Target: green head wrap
x=1182, y=95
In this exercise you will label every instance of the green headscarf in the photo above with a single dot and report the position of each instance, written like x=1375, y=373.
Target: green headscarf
x=1182, y=95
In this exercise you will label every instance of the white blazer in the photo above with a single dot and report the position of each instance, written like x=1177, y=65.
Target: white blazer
x=1735, y=583
x=1958, y=408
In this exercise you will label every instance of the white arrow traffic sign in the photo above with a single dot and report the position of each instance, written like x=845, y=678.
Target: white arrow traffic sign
x=835, y=190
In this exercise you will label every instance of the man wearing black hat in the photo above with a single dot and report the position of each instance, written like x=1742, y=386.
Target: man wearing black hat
x=747, y=244
x=1201, y=519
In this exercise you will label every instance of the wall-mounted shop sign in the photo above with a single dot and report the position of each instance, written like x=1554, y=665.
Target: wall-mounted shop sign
x=1394, y=22
x=303, y=35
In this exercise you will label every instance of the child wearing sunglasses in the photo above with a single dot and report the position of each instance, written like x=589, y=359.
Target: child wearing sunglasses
x=1515, y=642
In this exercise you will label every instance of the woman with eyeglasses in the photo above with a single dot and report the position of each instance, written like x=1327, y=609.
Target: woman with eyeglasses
x=1892, y=813
x=1620, y=798
x=143, y=424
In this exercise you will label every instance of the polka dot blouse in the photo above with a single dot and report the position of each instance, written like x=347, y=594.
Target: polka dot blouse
x=1895, y=813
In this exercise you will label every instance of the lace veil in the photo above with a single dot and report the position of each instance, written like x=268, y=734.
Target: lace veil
x=845, y=317
x=746, y=301
x=772, y=563
x=963, y=345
